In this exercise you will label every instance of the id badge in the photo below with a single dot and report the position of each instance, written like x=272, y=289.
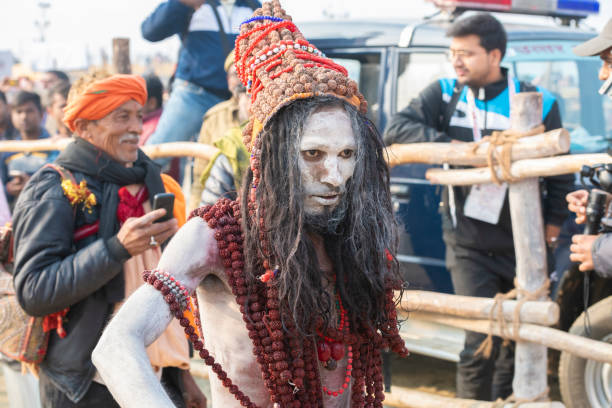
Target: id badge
x=485, y=202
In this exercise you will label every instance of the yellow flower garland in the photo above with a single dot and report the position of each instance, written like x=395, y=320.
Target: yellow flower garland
x=79, y=193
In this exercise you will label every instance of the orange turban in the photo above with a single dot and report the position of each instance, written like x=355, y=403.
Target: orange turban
x=102, y=97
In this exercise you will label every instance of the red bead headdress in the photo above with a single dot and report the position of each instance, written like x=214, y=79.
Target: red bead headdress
x=278, y=65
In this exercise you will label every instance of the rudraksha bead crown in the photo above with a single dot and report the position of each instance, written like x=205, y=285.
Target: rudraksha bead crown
x=278, y=65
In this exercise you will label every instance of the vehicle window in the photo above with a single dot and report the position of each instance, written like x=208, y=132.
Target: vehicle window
x=573, y=81
x=416, y=70
x=365, y=70
x=560, y=78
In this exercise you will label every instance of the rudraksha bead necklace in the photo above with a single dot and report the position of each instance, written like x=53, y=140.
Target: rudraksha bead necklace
x=289, y=361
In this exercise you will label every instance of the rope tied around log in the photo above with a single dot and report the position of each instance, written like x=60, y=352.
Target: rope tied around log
x=503, y=156
x=497, y=314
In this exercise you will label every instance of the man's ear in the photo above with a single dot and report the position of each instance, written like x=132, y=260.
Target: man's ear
x=83, y=128
x=496, y=56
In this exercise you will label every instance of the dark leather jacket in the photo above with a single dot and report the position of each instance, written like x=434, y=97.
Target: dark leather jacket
x=53, y=272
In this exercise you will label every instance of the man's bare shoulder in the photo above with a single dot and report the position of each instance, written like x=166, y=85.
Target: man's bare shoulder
x=192, y=253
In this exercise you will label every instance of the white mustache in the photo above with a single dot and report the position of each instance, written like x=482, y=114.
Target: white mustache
x=129, y=138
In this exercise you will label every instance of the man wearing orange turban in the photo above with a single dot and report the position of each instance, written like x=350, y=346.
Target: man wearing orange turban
x=84, y=231
x=103, y=97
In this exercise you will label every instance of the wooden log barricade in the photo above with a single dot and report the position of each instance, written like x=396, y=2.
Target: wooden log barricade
x=524, y=168
x=173, y=149
x=33, y=145
x=544, y=336
x=180, y=149
x=550, y=166
x=530, y=359
x=399, y=154
x=467, y=154
x=472, y=313
x=542, y=313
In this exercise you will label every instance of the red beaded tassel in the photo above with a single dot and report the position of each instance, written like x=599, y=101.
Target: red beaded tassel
x=347, y=378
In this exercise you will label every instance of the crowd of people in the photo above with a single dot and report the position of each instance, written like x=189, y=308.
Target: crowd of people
x=291, y=245
x=25, y=118
x=93, y=259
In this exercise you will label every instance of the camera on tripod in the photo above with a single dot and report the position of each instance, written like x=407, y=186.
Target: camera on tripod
x=598, y=214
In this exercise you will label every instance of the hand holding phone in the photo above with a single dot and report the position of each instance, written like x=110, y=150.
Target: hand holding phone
x=165, y=201
x=140, y=234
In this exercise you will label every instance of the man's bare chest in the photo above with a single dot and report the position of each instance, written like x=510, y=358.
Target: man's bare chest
x=226, y=338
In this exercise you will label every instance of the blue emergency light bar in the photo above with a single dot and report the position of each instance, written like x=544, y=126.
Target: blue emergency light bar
x=578, y=6
x=553, y=8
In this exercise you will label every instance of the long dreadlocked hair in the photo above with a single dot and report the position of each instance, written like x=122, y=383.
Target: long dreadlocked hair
x=357, y=248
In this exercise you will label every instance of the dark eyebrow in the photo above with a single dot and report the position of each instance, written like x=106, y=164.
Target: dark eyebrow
x=119, y=111
x=322, y=146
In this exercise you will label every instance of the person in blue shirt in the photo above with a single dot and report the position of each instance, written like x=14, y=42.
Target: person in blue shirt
x=207, y=30
x=18, y=167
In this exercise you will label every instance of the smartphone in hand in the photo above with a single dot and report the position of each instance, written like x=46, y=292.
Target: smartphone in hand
x=165, y=201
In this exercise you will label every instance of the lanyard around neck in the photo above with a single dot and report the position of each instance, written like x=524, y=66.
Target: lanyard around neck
x=471, y=99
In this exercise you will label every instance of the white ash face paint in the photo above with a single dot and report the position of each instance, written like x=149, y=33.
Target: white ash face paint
x=327, y=159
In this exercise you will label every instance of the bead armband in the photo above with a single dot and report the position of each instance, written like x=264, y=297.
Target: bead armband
x=185, y=308
x=174, y=292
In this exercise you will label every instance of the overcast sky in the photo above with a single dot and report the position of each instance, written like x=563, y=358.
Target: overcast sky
x=80, y=26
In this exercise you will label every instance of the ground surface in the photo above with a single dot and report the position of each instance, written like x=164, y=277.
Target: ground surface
x=419, y=372
x=424, y=373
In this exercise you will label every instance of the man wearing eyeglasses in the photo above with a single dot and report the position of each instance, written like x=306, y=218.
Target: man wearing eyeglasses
x=479, y=248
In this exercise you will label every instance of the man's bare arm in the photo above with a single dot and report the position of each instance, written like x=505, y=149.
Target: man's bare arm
x=120, y=355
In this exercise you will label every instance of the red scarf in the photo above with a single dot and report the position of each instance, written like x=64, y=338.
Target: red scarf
x=129, y=205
